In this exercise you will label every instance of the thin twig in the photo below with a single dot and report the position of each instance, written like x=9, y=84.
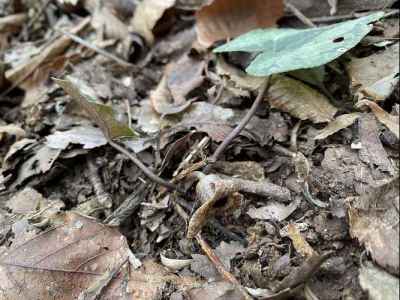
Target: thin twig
x=78, y=40
x=300, y=15
x=153, y=177
x=235, y=132
x=293, y=136
x=220, y=266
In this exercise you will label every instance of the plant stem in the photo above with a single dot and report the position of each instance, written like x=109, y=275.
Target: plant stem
x=153, y=177
x=235, y=132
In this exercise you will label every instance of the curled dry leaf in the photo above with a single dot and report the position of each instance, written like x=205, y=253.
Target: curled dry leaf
x=390, y=121
x=12, y=23
x=73, y=256
x=146, y=16
x=212, y=188
x=339, y=123
x=102, y=115
x=179, y=80
x=174, y=264
x=224, y=19
x=378, y=229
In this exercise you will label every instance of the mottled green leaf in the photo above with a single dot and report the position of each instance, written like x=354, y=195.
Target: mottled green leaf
x=102, y=115
x=284, y=50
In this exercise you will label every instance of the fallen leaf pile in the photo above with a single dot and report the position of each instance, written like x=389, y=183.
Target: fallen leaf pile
x=199, y=149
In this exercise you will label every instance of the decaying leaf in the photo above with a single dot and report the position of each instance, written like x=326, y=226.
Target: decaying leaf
x=299, y=242
x=102, y=115
x=224, y=19
x=372, y=152
x=284, y=50
x=374, y=221
x=273, y=211
x=21, y=72
x=180, y=78
x=379, y=284
x=390, y=121
x=376, y=76
x=146, y=15
x=78, y=251
x=218, y=290
x=339, y=123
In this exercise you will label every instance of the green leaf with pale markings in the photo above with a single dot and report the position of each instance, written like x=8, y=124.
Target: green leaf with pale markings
x=102, y=115
x=283, y=50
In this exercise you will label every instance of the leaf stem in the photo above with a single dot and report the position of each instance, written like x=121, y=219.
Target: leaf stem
x=153, y=177
x=235, y=132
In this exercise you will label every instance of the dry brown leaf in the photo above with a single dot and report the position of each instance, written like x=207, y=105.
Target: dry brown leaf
x=299, y=243
x=65, y=261
x=374, y=221
x=146, y=15
x=390, y=121
x=377, y=75
x=299, y=100
x=339, y=123
x=224, y=19
x=22, y=72
x=12, y=23
x=216, y=291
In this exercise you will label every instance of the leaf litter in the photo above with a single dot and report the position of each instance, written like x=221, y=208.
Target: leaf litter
x=152, y=173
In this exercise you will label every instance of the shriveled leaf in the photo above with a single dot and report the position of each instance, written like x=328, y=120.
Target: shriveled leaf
x=390, y=121
x=72, y=257
x=379, y=284
x=339, y=123
x=223, y=19
x=146, y=15
x=376, y=76
x=284, y=50
x=378, y=229
x=102, y=115
x=299, y=100
x=174, y=264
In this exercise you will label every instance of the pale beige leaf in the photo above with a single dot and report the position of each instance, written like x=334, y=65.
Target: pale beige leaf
x=146, y=15
x=13, y=129
x=299, y=100
x=390, y=121
x=340, y=122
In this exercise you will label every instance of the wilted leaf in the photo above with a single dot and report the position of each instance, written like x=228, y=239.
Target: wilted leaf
x=374, y=221
x=376, y=76
x=223, y=19
x=379, y=284
x=146, y=15
x=285, y=50
x=339, y=123
x=390, y=121
x=65, y=261
x=102, y=115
